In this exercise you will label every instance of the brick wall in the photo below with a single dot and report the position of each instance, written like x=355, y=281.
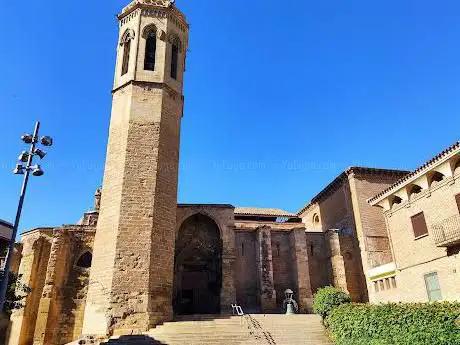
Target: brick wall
x=416, y=257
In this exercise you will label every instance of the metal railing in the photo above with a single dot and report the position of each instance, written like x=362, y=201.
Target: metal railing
x=447, y=232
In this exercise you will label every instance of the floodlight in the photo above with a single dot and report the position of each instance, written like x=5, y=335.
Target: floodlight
x=24, y=156
x=27, y=138
x=40, y=153
x=19, y=170
x=46, y=141
x=37, y=170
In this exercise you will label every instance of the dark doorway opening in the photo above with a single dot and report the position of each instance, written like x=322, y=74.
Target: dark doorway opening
x=198, y=267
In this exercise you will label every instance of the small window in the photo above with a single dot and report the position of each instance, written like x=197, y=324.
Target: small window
x=419, y=225
x=174, y=60
x=278, y=249
x=315, y=219
x=126, y=52
x=85, y=260
x=376, y=286
x=312, y=249
x=457, y=198
x=150, y=51
x=387, y=283
x=242, y=249
x=393, y=282
x=381, y=286
x=432, y=287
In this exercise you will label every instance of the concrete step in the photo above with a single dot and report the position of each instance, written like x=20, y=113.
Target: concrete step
x=247, y=330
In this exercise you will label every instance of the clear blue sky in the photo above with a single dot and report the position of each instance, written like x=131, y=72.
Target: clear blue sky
x=280, y=96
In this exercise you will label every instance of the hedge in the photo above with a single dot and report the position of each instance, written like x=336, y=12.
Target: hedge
x=395, y=324
x=328, y=298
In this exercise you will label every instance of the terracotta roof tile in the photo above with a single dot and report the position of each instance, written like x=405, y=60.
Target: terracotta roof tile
x=253, y=211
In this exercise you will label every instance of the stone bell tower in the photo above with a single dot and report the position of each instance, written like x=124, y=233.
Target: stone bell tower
x=131, y=280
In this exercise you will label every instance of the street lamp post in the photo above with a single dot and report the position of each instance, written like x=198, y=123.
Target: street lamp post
x=25, y=157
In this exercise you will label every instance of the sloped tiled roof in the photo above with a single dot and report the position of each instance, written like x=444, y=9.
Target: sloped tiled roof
x=271, y=212
x=425, y=166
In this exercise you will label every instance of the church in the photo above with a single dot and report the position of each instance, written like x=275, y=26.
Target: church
x=139, y=258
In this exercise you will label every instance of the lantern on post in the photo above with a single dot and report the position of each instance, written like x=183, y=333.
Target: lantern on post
x=289, y=303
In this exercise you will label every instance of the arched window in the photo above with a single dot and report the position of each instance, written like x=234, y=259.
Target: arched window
x=84, y=261
x=437, y=177
x=126, y=43
x=150, y=50
x=315, y=219
x=457, y=167
x=175, y=48
x=396, y=201
x=415, y=189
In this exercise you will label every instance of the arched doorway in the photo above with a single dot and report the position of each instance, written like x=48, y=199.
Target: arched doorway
x=198, y=267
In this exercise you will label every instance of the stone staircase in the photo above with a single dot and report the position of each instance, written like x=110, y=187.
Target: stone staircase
x=263, y=329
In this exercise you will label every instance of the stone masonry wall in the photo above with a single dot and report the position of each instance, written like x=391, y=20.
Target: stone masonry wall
x=33, y=267
x=283, y=266
x=75, y=289
x=246, y=272
x=223, y=216
x=319, y=265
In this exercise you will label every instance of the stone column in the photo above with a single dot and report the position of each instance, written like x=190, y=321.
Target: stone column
x=49, y=310
x=339, y=278
x=35, y=254
x=228, y=292
x=301, y=271
x=265, y=267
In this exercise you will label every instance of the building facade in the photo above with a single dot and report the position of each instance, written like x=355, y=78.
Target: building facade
x=138, y=258
x=422, y=214
x=222, y=255
x=359, y=230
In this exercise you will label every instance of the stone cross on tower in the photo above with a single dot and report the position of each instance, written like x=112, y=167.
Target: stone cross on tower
x=131, y=280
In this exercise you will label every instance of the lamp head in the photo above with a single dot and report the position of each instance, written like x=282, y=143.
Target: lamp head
x=24, y=156
x=19, y=170
x=289, y=293
x=46, y=141
x=40, y=153
x=37, y=170
x=27, y=138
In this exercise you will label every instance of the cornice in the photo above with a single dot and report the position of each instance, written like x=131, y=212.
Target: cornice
x=151, y=84
x=421, y=170
x=153, y=6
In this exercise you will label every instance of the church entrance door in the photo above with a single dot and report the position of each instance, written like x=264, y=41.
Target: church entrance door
x=198, y=267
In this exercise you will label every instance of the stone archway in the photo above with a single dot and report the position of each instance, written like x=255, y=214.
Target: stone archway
x=198, y=267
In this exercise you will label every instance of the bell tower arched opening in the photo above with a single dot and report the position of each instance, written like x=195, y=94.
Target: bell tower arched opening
x=198, y=267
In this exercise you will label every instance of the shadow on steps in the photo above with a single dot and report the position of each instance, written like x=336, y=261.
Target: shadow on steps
x=133, y=340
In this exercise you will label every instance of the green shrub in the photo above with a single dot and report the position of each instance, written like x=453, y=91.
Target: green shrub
x=328, y=298
x=16, y=292
x=396, y=324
